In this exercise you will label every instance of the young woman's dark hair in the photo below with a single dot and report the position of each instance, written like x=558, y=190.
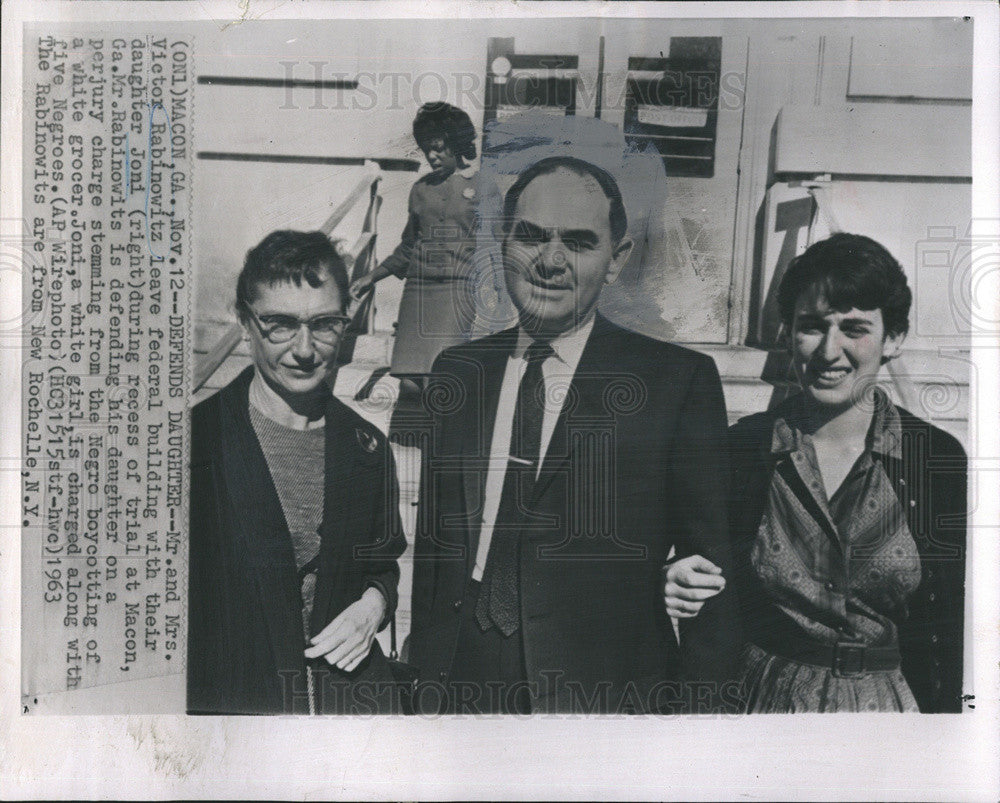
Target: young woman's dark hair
x=850, y=271
x=617, y=217
x=448, y=122
x=291, y=256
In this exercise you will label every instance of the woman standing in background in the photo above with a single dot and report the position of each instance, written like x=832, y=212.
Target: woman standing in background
x=436, y=254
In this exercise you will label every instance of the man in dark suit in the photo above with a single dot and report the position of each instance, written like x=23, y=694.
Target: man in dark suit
x=569, y=456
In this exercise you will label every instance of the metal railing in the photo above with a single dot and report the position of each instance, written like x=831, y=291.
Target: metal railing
x=361, y=258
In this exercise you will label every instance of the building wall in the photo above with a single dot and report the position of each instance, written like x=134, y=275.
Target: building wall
x=703, y=272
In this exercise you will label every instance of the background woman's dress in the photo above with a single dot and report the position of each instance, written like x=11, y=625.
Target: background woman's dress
x=437, y=257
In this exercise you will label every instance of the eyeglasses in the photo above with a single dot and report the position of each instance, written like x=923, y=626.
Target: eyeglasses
x=278, y=329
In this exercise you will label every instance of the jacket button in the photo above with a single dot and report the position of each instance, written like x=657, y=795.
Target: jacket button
x=829, y=586
x=457, y=604
x=934, y=639
x=442, y=676
x=932, y=596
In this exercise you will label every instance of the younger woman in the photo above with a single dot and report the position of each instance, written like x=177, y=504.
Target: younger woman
x=847, y=513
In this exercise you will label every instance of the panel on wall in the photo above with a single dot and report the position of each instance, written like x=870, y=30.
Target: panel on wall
x=682, y=286
x=930, y=62
x=875, y=139
x=672, y=103
x=516, y=82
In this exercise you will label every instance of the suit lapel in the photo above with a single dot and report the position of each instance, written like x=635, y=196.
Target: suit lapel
x=584, y=402
x=477, y=434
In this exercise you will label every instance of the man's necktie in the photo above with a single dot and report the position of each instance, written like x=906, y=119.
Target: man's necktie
x=498, y=595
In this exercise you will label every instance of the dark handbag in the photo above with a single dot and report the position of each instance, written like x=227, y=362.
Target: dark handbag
x=404, y=675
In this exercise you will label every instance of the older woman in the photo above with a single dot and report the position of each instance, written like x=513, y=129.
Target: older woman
x=436, y=255
x=295, y=530
x=848, y=512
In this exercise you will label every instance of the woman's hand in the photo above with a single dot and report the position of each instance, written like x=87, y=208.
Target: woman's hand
x=689, y=582
x=346, y=641
x=361, y=286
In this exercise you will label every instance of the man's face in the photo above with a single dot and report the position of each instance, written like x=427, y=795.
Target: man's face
x=558, y=253
x=300, y=366
x=838, y=353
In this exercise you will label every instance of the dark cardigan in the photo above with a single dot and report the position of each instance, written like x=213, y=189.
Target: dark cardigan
x=930, y=481
x=245, y=634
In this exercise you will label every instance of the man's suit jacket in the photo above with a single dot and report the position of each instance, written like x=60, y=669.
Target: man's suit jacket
x=245, y=630
x=636, y=465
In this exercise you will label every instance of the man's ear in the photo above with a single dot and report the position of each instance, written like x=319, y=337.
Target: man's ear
x=891, y=346
x=619, y=256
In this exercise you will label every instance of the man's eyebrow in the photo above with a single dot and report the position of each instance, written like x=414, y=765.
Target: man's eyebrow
x=584, y=236
x=526, y=227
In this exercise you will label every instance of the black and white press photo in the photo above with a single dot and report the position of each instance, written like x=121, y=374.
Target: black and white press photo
x=469, y=379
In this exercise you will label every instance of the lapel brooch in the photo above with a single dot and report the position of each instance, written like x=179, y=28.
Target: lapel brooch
x=366, y=440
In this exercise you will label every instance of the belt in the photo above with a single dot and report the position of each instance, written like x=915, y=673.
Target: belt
x=845, y=658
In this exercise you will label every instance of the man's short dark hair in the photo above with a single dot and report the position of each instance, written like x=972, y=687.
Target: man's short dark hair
x=450, y=123
x=617, y=217
x=851, y=271
x=291, y=257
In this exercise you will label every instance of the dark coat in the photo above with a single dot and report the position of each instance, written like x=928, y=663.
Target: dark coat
x=930, y=482
x=635, y=466
x=245, y=639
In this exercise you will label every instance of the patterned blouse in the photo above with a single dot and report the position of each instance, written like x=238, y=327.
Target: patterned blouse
x=839, y=568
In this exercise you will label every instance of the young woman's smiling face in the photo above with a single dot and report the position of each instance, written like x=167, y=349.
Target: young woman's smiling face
x=837, y=353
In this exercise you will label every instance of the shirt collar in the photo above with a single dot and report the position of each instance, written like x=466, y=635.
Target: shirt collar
x=468, y=172
x=568, y=347
x=885, y=434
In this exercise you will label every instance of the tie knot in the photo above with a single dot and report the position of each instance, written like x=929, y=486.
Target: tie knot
x=538, y=351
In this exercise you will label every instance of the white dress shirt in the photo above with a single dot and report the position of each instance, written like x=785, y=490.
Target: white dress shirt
x=557, y=371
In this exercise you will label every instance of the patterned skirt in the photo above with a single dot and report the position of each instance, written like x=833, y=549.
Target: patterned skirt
x=774, y=685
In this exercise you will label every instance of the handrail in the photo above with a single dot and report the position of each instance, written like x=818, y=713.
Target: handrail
x=211, y=362
x=360, y=245
x=232, y=336
x=372, y=175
